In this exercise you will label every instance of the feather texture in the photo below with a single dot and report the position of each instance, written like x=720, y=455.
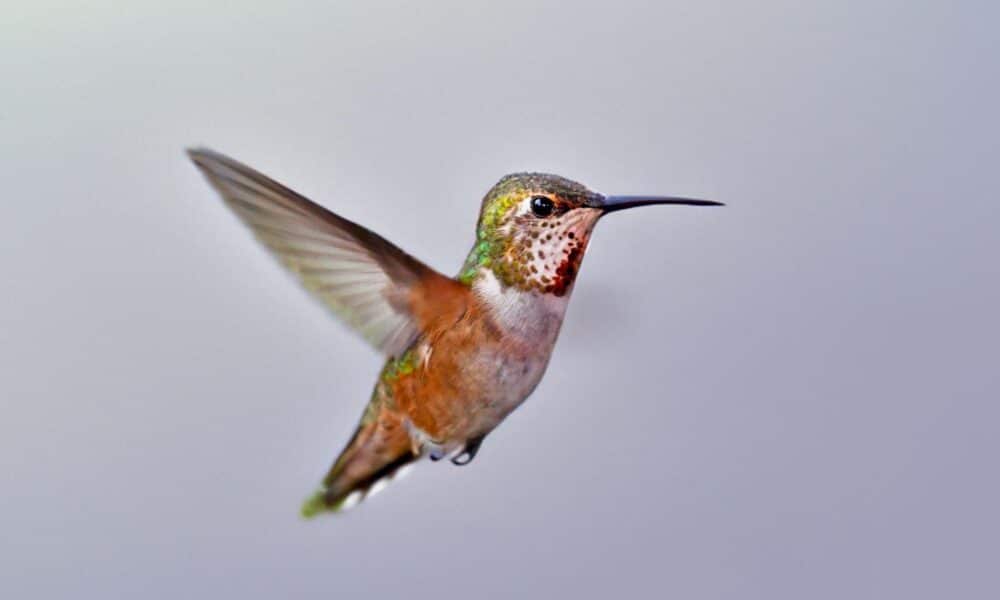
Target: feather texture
x=360, y=276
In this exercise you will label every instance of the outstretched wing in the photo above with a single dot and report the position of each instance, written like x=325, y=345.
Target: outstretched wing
x=359, y=275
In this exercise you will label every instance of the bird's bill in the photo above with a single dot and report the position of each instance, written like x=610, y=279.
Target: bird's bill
x=615, y=203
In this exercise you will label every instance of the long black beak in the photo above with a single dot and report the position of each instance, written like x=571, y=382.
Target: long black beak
x=613, y=203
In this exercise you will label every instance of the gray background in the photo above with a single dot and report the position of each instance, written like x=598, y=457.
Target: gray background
x=792, y=397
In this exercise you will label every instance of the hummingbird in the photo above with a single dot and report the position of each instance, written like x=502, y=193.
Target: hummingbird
x=460, y=353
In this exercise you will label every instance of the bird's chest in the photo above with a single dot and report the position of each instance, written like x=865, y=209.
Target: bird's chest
x=475, y=373
x=509, y=349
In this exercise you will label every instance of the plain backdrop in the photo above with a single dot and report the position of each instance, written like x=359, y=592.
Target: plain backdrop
x=792, y=397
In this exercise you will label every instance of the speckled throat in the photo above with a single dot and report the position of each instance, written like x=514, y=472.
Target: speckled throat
x=528, y=251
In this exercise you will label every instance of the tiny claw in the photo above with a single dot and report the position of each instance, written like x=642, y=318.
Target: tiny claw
x=470, y=451
x=461, y=462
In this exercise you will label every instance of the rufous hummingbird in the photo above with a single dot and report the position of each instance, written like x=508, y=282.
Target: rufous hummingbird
x=461, y=353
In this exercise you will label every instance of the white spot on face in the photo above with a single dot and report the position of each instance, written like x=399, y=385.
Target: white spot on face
x=524, y=206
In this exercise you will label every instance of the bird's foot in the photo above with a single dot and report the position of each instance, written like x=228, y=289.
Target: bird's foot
x=469, y=452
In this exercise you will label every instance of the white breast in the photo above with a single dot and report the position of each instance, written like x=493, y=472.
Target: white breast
x=531, y=321
x=531, y=316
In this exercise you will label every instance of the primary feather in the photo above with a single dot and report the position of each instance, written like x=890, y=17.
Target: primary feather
x=360, y=276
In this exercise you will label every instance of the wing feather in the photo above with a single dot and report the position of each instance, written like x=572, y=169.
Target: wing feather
x=360, y=276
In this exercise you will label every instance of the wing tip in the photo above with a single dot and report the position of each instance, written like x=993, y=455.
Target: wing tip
x=220, y=169
x=203, y=157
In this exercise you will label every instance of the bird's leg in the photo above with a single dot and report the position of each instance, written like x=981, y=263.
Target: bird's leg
x=434, y=450
x=422, y=444
x=469, y=452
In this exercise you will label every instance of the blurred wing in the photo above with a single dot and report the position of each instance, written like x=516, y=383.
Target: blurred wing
x=360, y=276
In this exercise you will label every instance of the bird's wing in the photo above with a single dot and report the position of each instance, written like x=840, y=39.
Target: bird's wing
x=363, y=278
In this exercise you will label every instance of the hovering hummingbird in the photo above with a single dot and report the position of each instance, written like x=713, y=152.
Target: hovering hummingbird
x=462, y=353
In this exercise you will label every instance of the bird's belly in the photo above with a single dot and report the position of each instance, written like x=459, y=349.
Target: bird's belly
x=460, y=393
x=475, y=373
x=507, y=381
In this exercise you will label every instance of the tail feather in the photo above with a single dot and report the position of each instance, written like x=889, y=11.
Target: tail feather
x=374, y=455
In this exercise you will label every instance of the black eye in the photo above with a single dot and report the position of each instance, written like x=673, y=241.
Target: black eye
x=542, y=206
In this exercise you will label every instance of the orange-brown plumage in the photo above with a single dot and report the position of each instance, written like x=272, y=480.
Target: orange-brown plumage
x=462, y=353
x=436, y=403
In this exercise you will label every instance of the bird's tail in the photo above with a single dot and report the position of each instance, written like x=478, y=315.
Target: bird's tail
x=374, y=456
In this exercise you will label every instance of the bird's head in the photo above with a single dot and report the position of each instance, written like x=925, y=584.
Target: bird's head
x=534, y=228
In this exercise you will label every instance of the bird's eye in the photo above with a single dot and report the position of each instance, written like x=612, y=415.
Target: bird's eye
x=542, y=206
